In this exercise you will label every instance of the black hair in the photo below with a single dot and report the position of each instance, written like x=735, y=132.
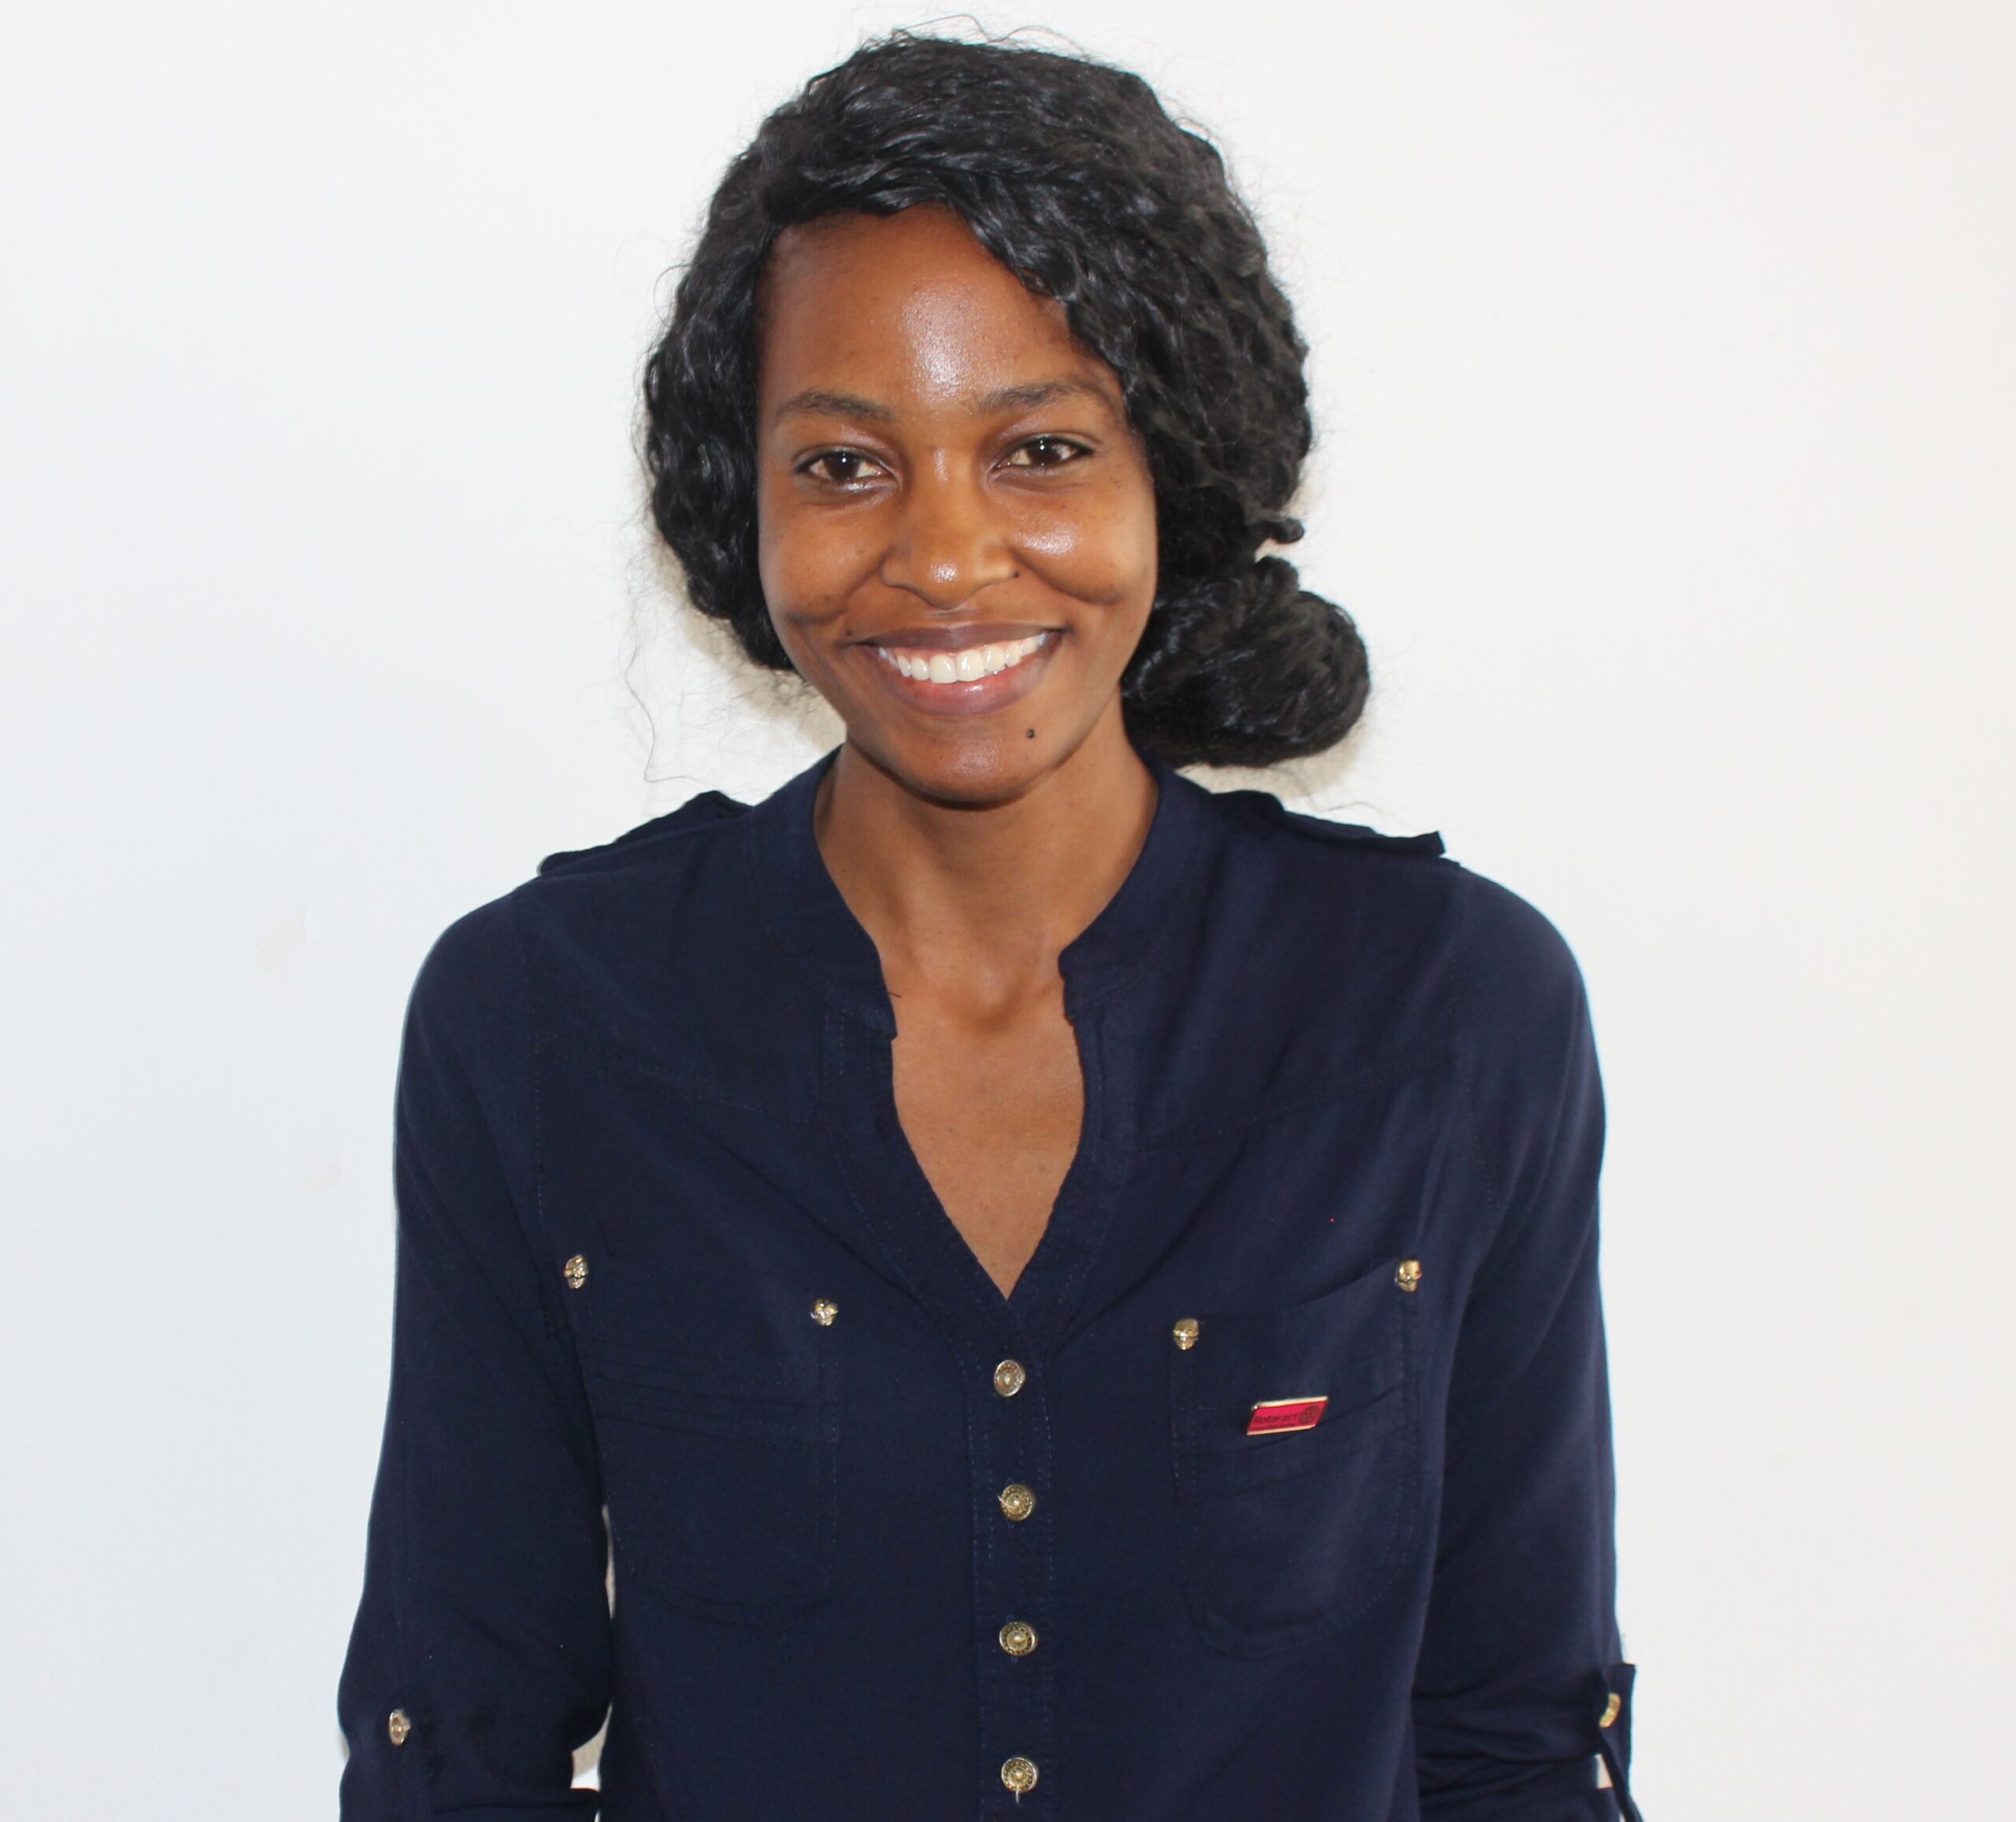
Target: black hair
x=1070, y=172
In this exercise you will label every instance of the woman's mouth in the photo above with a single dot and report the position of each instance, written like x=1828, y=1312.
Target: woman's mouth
x=974, y=676
x=962, y=667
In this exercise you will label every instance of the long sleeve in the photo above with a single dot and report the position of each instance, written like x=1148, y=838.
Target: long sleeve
x=479, y=1659
x=1520, y=1656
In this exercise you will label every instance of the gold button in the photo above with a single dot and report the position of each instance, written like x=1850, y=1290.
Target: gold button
x=1408, y=1277
x=1017, y=1500
x=1018, y=1638
x=1018, y=1774
x=823, y=1313
x=398, y=1726
x=1009, y=1377
x=575, y=1271
x=1185, y=1332
x=1612, y=1709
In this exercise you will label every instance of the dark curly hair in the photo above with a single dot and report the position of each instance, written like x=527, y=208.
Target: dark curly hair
x=1071, y=174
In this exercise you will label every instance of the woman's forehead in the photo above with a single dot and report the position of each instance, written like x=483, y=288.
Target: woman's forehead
x=911, y=304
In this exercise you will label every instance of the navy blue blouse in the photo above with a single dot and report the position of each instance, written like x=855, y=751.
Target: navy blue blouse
x=1279, y=1490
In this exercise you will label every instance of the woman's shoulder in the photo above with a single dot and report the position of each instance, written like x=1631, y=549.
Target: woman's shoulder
x=577, y=896
x=1264, y=810
x=1402, y=901
x=645, y=842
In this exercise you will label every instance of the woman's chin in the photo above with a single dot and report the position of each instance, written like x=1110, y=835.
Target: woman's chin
x=980, y=762
x=974, y=767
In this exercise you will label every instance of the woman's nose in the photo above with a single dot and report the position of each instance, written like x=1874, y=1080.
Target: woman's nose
x=947, y=545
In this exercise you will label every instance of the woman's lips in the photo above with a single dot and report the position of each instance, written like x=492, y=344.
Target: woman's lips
x=962, y=663
x=969, y=681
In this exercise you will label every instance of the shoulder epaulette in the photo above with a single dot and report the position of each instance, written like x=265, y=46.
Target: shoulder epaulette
x=708, y=806
x=1358, y=834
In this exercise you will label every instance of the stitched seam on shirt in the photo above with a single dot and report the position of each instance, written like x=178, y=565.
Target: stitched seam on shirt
x=1047, y=1686
x=809, y=974
x=559, y=1328
x=682, y=1087
x=550, y=1312
x=1103, y=1196
x=408, y=1691
x=1497, y=1192
x=1124, y=979
x=1500, y=1188
x=833, y=1034
x=1401, y=1068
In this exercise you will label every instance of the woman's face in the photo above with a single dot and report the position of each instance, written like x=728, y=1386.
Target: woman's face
x=945, y=476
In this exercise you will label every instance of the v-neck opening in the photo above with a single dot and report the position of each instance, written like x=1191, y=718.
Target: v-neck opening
x=1091, y=1113
x=809, y=920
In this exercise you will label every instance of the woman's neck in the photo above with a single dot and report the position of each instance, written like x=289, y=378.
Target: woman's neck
x=973, y=902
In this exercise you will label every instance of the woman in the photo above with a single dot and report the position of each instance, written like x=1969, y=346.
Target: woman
x=1075, y=1295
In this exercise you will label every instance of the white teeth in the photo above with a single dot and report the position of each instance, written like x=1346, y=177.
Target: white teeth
x=965, y=665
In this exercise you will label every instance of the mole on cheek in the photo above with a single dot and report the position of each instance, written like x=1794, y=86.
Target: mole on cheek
x=1031, y=735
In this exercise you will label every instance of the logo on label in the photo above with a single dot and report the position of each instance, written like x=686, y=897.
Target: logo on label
x=1272, y=1416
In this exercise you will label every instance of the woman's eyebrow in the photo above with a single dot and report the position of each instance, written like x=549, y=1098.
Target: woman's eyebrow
x=815, y=401
x=1036, y=392
x=817, y=404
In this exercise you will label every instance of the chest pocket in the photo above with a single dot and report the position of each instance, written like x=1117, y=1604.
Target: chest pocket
x=720, y=1473
x=1282, y=1537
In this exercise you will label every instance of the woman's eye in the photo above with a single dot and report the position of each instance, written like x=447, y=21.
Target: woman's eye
x=842, y=466
x=1045, y=452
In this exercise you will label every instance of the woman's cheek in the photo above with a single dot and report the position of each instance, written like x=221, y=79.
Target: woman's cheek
x=1104, y=554
x=805, y=568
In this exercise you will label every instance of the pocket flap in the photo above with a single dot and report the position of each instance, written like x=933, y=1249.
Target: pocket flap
x=1346, y=1347
x=754, y=1394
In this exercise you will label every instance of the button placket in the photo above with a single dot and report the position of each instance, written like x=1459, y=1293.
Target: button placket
x=1009, y=1467
x=1003, y=1354
x=1017, y=1696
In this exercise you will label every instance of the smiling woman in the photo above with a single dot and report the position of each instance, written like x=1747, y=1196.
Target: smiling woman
x=1054, y=1291
x=1118, y=228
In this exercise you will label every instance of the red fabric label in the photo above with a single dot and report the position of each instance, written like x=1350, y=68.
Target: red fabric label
x=1284, y=1414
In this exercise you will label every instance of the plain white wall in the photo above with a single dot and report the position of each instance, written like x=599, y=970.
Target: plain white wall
x=1663, y=358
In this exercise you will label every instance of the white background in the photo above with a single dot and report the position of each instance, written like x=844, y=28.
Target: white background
x=1662, y=357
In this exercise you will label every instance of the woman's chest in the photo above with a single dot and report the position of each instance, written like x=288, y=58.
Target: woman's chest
x=686, y=1226
x=801, y=1378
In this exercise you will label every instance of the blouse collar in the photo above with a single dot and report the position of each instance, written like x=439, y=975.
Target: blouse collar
x=806, y=917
